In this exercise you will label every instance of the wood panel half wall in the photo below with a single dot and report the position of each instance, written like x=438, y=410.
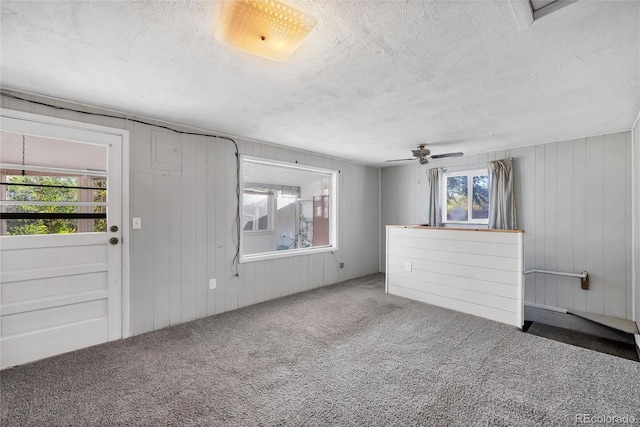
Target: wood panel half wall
x=479, y=272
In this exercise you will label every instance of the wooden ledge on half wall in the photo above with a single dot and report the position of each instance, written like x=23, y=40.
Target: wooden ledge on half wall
x=418, y=226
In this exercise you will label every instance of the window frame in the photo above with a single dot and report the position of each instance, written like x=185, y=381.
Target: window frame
x=469, y=173
x=333, y=211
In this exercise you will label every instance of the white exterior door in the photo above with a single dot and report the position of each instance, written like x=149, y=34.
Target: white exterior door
x=60, y=292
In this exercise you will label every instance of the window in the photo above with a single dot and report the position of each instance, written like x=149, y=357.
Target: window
x=287, y=209
x=50, y=186
x=466, y=197
x=257, y=209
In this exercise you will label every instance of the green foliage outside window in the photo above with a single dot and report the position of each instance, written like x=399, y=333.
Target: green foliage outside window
x=61, y=193
x=457, y=196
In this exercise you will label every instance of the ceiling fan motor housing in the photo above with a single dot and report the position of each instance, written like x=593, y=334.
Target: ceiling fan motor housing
x=421, y=151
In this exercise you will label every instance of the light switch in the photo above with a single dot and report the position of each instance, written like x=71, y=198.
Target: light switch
x=137, y=223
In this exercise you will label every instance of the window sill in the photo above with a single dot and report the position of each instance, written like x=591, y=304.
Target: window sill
x=264, y=256
x=466, y=224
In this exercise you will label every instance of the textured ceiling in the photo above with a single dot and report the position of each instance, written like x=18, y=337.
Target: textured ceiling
x=373, y=79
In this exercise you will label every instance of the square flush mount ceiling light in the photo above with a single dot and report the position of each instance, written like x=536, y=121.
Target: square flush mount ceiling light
x=265, y=28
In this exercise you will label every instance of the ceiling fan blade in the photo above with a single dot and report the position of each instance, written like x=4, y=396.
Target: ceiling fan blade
x=442, y=156
x=400, y=160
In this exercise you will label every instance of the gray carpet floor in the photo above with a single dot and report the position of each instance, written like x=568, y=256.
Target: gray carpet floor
x=346, y=354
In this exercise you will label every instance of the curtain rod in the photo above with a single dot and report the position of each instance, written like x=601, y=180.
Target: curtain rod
x=469, y=166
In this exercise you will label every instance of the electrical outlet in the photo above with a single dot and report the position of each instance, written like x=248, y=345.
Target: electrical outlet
x=407, y=266
x=341, y=264
x=212, y=283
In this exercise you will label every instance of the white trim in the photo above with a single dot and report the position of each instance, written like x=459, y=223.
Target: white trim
x=34, y=203
x=386, y=261
x=126, y=224
x=545, y=307
x=90, y=172
x=55, y=128
x=521, y=280
x=523, y=13
x=286, y=254
x=634, y=224
x=380, y=258
x=635, y=122
x=240, y=210
x=550, y=8
x=76, y=131
x=264, y=161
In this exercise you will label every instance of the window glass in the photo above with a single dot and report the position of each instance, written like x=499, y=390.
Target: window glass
x=457, y=198
x=466, y=197
x=255, y=210
x=51, y=186
x=49, y=204
x=480, y=197
x=291, y=207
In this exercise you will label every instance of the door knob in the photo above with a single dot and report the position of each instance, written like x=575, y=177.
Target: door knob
x=113, y=240
x=114, y=228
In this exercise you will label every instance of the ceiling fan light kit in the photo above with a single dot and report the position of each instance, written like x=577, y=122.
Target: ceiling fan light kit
x=265, y=28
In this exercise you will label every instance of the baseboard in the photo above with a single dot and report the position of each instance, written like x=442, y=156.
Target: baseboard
x=637, y=337
x=575, y=323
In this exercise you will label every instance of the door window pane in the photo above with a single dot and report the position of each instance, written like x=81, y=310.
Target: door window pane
x=52, y=204
x=51, y=186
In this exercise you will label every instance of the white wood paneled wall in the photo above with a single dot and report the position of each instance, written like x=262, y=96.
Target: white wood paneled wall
x=574, y=204
x=475, y=272
x=188, y=234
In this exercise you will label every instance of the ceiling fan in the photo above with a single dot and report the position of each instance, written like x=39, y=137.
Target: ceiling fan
x=423, y=154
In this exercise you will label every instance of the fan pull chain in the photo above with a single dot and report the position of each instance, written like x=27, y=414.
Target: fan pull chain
x=23, y=144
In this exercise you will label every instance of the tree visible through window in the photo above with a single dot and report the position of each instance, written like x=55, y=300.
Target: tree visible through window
x=50, y=204
x=466, y=197
x=51, y=186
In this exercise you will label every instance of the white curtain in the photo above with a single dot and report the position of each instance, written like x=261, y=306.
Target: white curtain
x=502, y=204
x=435, y=202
